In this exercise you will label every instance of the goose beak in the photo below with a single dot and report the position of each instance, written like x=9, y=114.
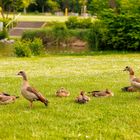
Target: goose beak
x=18, y=73
x=124, y=70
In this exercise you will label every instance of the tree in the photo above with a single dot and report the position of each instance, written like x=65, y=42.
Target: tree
x=97, y=6
x=5, y=5
x=42, y=4
x=25, y=4
x=52, y=5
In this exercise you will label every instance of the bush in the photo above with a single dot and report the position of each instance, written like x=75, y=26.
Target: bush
x=55, y=35
x=115, y=32
x=74, y=22
x=60, y=32
x=32, y=34
x=22, y=48
x=3, y=34
x=85, y=23
x=123, y=32
x=36, y=46
x=82, y=34
x=97, y=36
x=26, y=48
x=5, y=21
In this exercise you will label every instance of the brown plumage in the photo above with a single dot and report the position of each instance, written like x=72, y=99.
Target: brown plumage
x=62, y=92
x=135, y=82
x=129, y=89
x=82, y=98
x=105, y=93
x=29, y=92
x=7, y=99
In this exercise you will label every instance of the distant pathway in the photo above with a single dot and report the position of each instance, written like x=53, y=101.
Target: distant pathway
x=22, y=26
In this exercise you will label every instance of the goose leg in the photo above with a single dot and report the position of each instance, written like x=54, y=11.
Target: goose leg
x=31, y=104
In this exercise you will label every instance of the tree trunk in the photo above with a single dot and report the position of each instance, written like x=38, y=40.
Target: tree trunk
x=24, y=10
x=8, y=11
x=42, y=8
x=2, y=14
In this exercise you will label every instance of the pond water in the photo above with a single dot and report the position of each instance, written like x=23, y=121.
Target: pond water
x=6, y=49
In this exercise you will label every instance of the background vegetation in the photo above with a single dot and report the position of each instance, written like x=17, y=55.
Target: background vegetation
x=94, y=7
x=116, y=24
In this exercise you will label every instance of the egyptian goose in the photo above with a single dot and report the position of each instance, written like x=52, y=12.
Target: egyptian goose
x=29, y=92
x=82, y=98
x=135, y=82
x=6, y=98
x=129, y=89
x=62, y=92
x=105, y=93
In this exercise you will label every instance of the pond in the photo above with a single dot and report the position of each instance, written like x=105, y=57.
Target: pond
x=6, y=49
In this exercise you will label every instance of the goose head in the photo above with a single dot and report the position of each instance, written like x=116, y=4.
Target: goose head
x=82, y=93
x=23, y=74
x=127, y=68
x=109, y=92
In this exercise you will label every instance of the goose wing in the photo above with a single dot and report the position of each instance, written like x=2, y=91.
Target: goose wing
x=136, y=80
x=39, y=96
x=4, y=98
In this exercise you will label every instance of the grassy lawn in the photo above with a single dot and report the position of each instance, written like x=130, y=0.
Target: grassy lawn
x=101, y=119
x=44, y=18
x=41, y=18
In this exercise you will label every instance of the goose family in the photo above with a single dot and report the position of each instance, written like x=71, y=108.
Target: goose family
x=30, y=93
x=7, y=99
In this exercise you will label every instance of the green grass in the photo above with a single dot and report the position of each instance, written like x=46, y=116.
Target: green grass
x=115, y=118
x=44, y=18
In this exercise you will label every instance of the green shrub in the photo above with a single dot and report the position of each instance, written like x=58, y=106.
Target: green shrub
x=26, y=48
x=75, y=22
x=22, y=48
x=32, y=34
x=97, y=36
x=123, y=32
x=3, y=34
x=5, y=21
x=36, y=46
x=57, y=33
x=60, y=32
x=72, y=22
x=82, y=34
x=116, y=32
x=85, y=23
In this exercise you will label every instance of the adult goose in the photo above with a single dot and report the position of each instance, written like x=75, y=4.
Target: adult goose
x=7, y=99
x=82, y=98
x=135, y=82
x=104, y=93
x=30, y=93
x=62, y=92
